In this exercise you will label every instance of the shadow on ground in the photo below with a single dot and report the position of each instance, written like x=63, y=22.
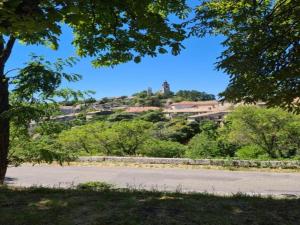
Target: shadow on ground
x=36, y=206
x=9, y=180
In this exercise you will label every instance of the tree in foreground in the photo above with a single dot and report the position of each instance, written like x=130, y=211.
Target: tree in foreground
x=35, y=89
x=262, y=48
x=111, y=32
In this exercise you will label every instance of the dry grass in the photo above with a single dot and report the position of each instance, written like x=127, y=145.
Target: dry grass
x=178, y=166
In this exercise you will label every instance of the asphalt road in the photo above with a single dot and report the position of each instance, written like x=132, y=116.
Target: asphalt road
x=186, y=180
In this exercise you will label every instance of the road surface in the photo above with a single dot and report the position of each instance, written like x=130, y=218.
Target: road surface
x=186, y=180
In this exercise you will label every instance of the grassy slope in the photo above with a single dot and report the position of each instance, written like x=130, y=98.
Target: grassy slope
x=41, y=206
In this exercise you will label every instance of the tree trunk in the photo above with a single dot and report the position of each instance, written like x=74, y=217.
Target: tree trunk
x=5, y=52
x=4, y=125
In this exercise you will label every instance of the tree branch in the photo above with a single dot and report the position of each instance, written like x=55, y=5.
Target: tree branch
x=1, y=43
x=5, y=53
x=7, y=72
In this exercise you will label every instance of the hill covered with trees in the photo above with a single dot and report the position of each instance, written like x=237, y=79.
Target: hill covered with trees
x=248, y=132
x=144, y=98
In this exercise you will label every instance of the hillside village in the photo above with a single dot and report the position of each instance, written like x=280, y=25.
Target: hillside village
x=193, y=110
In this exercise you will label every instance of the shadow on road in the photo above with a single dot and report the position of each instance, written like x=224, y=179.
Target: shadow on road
x=9, y=180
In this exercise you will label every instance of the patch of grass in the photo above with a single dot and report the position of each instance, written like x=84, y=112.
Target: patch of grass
x=95, y=186
x=111, y=206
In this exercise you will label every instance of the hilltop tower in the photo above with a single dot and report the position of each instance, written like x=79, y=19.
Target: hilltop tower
x=165, y=88
x=149, y=91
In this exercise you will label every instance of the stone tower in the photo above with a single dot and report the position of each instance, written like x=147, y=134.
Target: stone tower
x=149, y=91
x=165, y=88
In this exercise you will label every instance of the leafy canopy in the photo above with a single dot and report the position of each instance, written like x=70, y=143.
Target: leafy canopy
x=36, y=87
x=193, y=95
x=111, y=32
x=160, y=148
x=118, y=138
x=275, y=131
x=33, y=97
x=262, y=48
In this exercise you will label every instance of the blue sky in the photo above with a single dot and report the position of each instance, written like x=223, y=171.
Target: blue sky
x=192, y=69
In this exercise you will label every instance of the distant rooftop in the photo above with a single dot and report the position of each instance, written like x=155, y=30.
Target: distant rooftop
x=187, y=110
x=214, y=102
x=141, y=109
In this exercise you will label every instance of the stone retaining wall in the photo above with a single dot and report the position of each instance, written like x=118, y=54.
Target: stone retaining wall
x=185, y=161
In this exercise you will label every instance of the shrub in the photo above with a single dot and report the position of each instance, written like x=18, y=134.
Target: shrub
x=177, y=130
x=297, y=157
x=45, y=149
x=158, y=148
x=250, y=152
x=153, y=116
x=95, y=186
x=119, y=116
x=203, y=146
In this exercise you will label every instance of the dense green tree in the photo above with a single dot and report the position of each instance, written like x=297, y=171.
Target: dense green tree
x=34, y=89
x=251, y=152
x=38, y=144
x=51, y=127
x=144, y=99
x=261, y=48
x=209, y=127
x=119, y=116
x=141, y=94
x=44, y=149
x=128, y=136
x=275, y=131
x=177, y=130
x=159, y=148
x=205, y=143
x=119, y=138
x=111, y=32
x=85, y=138
x=158, y=99
x=153, y=101
x=186, y=95
x=153, y=116
x=203, y=146
x=19, y=139
x=218, y=134
x=182, y=131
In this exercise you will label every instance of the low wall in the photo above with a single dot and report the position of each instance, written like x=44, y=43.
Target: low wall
x=185, y=161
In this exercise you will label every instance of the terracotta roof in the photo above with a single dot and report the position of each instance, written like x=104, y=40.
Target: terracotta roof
x=141, y=109
x=196, y=103
x=187, y=110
